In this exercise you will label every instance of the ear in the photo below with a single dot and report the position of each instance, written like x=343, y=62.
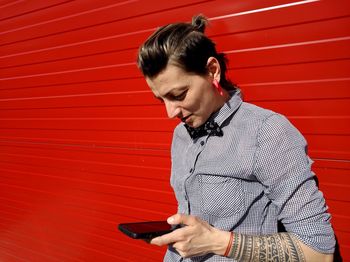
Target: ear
x=214, y=69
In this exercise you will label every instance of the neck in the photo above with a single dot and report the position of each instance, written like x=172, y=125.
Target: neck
x=222, y=99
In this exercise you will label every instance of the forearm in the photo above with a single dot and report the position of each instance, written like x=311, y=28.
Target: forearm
x=275, y=247
x=198, y=238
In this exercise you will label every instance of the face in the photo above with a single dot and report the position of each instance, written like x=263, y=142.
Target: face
x=187, y=96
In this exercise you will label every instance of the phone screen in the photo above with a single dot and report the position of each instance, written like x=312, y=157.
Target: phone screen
x=146, y=229
x=143, y=227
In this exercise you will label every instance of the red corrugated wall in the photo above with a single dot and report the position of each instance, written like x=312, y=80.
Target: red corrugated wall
x=85, y=146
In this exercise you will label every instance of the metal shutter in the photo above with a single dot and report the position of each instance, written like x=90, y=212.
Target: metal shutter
x=85, y=146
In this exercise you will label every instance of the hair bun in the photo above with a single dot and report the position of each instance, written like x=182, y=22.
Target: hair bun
x=199, y=23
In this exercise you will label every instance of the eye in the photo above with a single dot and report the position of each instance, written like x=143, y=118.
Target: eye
x=180, y=97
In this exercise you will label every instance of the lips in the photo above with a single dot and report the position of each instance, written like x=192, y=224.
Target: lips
x=184, y=119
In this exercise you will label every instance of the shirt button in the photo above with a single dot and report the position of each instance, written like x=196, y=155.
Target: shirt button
x=202, y=143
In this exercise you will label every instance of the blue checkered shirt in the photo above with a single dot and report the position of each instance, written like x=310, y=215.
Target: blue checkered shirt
x=256, y=174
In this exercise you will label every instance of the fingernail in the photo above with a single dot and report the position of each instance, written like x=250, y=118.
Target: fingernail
x=170, y=219
x=154, y=241
x=158, y=242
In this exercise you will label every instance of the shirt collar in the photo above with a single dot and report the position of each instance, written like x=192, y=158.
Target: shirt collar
x=228, y=108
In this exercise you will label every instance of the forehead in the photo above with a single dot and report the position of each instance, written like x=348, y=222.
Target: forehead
x=172, y=77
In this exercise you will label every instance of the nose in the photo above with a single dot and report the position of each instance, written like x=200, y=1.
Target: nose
x=172, y=109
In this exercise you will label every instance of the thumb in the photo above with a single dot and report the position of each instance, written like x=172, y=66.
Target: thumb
x=178, y=219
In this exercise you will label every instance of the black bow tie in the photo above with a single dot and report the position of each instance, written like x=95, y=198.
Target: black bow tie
x=209, y=128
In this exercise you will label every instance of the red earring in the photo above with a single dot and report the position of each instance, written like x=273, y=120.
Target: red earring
x=218, y=87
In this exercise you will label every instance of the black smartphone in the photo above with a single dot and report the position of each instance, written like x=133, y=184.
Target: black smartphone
x=146, y=230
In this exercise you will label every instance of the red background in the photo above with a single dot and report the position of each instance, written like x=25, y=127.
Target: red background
x=85, y=146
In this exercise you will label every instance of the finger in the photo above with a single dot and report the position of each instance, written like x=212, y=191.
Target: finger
x=182, y=219
x=177, y=235
x=166, y=239
x=158, y=241
x=180, y=248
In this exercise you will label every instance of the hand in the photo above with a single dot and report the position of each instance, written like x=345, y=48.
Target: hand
x=195, y=239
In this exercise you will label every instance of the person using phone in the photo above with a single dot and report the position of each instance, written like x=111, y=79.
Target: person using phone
x=237, y=169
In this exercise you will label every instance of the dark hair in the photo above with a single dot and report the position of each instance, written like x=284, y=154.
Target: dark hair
x=185, y=45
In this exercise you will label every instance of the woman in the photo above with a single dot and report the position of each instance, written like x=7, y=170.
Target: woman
x=237, y=169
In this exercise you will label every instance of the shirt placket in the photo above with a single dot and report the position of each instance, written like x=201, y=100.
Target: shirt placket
x=194, y=151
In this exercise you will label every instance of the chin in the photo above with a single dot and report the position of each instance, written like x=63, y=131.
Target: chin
x=197, y=122
x=195, y=125
x=191, y=125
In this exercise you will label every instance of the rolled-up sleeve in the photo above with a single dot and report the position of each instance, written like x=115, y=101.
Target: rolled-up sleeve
x=283, y=167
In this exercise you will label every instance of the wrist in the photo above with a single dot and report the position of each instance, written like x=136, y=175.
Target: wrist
x=221, y=240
